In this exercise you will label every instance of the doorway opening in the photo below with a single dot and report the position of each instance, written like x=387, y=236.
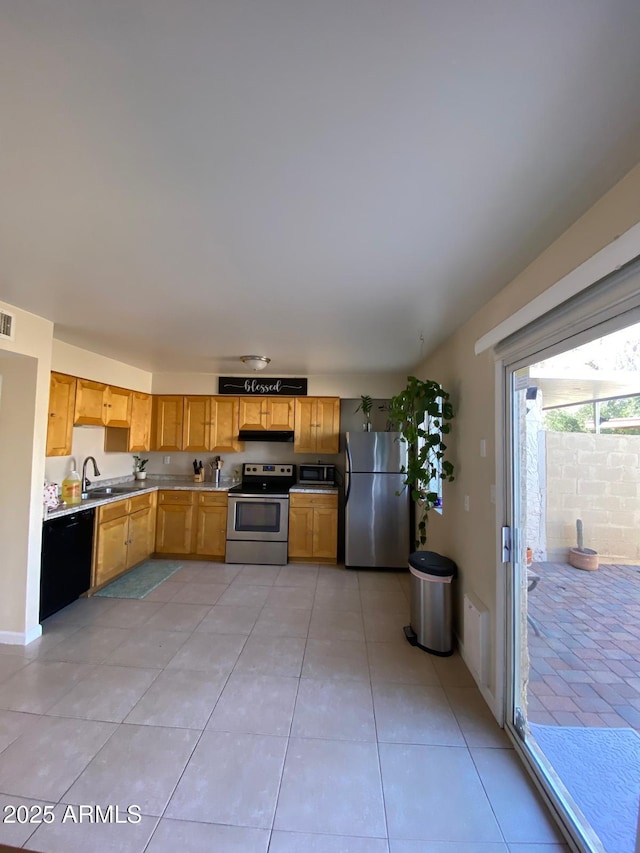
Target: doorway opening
x=575, y=591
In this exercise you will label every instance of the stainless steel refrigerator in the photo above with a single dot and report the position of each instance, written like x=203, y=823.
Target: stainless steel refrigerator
x=377, y=533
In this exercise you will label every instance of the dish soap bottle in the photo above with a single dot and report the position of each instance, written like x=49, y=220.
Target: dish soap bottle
x=71, y=486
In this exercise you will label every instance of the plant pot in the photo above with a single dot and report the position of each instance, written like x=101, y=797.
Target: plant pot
x=141, y=475
x=585, y=559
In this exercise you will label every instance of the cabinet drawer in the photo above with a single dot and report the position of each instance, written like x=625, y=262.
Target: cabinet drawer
x=175, y=498
x=213, y=499
x=298, y=499
x=115, y=510
x=140, y=502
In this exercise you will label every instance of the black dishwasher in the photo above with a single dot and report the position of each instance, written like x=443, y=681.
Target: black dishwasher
x=65, y=569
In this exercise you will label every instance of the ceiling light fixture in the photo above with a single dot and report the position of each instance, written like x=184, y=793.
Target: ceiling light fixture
x=255, y=362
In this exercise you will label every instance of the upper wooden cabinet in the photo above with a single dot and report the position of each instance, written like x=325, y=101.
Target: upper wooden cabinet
x=168, y=419
x=317, y=425
x=62, y=396
x=224, y=425
x=90, y=402
x=98, y=404
x=140, y=429
x=196, y=425
x=267, y=413
x=117, y=407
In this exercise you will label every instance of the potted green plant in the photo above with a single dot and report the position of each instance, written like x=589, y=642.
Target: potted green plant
x=421, y=413
x=366, y=404
x=139, y=465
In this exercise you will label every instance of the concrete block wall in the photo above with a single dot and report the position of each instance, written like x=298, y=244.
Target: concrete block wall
x=595, y=478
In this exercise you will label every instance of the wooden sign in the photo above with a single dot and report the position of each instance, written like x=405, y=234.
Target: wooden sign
x=256, y=387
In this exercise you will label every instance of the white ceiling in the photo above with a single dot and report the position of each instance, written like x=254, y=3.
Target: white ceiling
x=319, y=181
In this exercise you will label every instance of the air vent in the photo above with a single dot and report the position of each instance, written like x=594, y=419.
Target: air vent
x=6, y=326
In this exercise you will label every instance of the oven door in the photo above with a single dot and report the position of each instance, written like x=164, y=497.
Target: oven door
x=258, y=518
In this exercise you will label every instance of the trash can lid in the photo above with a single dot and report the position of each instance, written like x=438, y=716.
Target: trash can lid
x=434, y=564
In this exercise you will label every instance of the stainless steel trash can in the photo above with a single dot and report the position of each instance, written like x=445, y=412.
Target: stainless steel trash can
x=431, y=580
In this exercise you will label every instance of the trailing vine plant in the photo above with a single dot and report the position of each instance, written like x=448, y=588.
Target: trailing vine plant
x=421, y=413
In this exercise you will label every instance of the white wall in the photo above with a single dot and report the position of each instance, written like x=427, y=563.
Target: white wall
x=343, y=385
x=470, y=537
x=25, y=365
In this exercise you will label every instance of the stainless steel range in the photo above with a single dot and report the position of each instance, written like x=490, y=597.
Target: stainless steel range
x=258, y=515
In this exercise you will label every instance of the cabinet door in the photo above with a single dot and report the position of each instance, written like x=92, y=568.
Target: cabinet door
x=300, y=532
x=224, y=425
x=174, y=529
x=280, y=412
x=90, y=403
x=167, y=423
x=305, y=432
x=139, y=542
x=197, y=424
x=253, y=413
x=325, y=533
x=118, y=407
x=327, y=420
x=211, y=535
x=62, y=399
x=111, y=549
x=140, y=430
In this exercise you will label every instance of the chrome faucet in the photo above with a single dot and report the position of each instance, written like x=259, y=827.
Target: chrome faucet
x=96, y=473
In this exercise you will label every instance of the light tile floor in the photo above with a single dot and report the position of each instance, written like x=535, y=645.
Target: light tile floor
x=253, y=709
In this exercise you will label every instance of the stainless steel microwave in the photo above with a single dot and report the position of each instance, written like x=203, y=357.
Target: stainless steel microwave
x=316, y=473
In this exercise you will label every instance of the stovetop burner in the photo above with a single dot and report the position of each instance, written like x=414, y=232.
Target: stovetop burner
x=265, y=479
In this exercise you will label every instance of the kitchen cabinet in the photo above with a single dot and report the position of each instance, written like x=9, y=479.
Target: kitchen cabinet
x=98, y=404
x=267, y=413
x=313, y=527
x=117, y=407
x=137, y=438
x=211, y=525
x=224, y=425
x=90, y=403
x=168, y=417
x=62, y=399
x=317, y=421
x=140, y=429
x=196, y=426
x=174, y=528
x=125, y=534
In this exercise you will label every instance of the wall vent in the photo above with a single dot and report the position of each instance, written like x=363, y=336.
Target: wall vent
x=7, y=324
x=476, y=638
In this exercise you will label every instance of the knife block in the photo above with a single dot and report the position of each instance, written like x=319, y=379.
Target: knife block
x=198, y=478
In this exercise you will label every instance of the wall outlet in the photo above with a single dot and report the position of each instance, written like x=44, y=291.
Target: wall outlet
x=466, y=503
x=167, y=460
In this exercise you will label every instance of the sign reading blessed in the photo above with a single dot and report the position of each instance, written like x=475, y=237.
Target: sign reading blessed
x=257, y=387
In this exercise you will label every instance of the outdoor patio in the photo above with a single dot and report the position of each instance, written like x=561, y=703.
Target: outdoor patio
x=584, y=646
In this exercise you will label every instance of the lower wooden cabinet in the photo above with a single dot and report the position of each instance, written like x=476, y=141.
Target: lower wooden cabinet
x=313, y=527
x=211, y=525
x=174, y=530
x=125, y=534
x=192, y=523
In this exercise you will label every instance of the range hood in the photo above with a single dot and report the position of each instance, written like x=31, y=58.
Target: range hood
x=266, y=435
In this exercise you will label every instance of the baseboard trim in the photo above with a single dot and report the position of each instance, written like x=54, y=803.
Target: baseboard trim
x=21, y=638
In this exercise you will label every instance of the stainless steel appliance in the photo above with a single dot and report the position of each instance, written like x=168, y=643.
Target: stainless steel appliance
x=258, y=515
x=377, y=506
x=312, y=474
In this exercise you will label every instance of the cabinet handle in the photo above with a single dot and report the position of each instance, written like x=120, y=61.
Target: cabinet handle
x=52, y=415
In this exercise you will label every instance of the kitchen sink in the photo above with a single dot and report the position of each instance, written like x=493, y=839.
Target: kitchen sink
x=107, y=491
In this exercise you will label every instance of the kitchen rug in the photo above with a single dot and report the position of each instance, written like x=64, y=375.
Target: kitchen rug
x=139, y=582
x=600, y=768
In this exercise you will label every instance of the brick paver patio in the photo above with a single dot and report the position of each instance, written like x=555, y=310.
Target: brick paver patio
x=585, y=661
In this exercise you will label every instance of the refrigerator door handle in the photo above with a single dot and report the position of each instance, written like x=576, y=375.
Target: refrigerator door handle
x=347, y=475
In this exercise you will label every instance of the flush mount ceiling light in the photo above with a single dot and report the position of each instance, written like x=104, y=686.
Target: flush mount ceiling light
x=255, y=362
